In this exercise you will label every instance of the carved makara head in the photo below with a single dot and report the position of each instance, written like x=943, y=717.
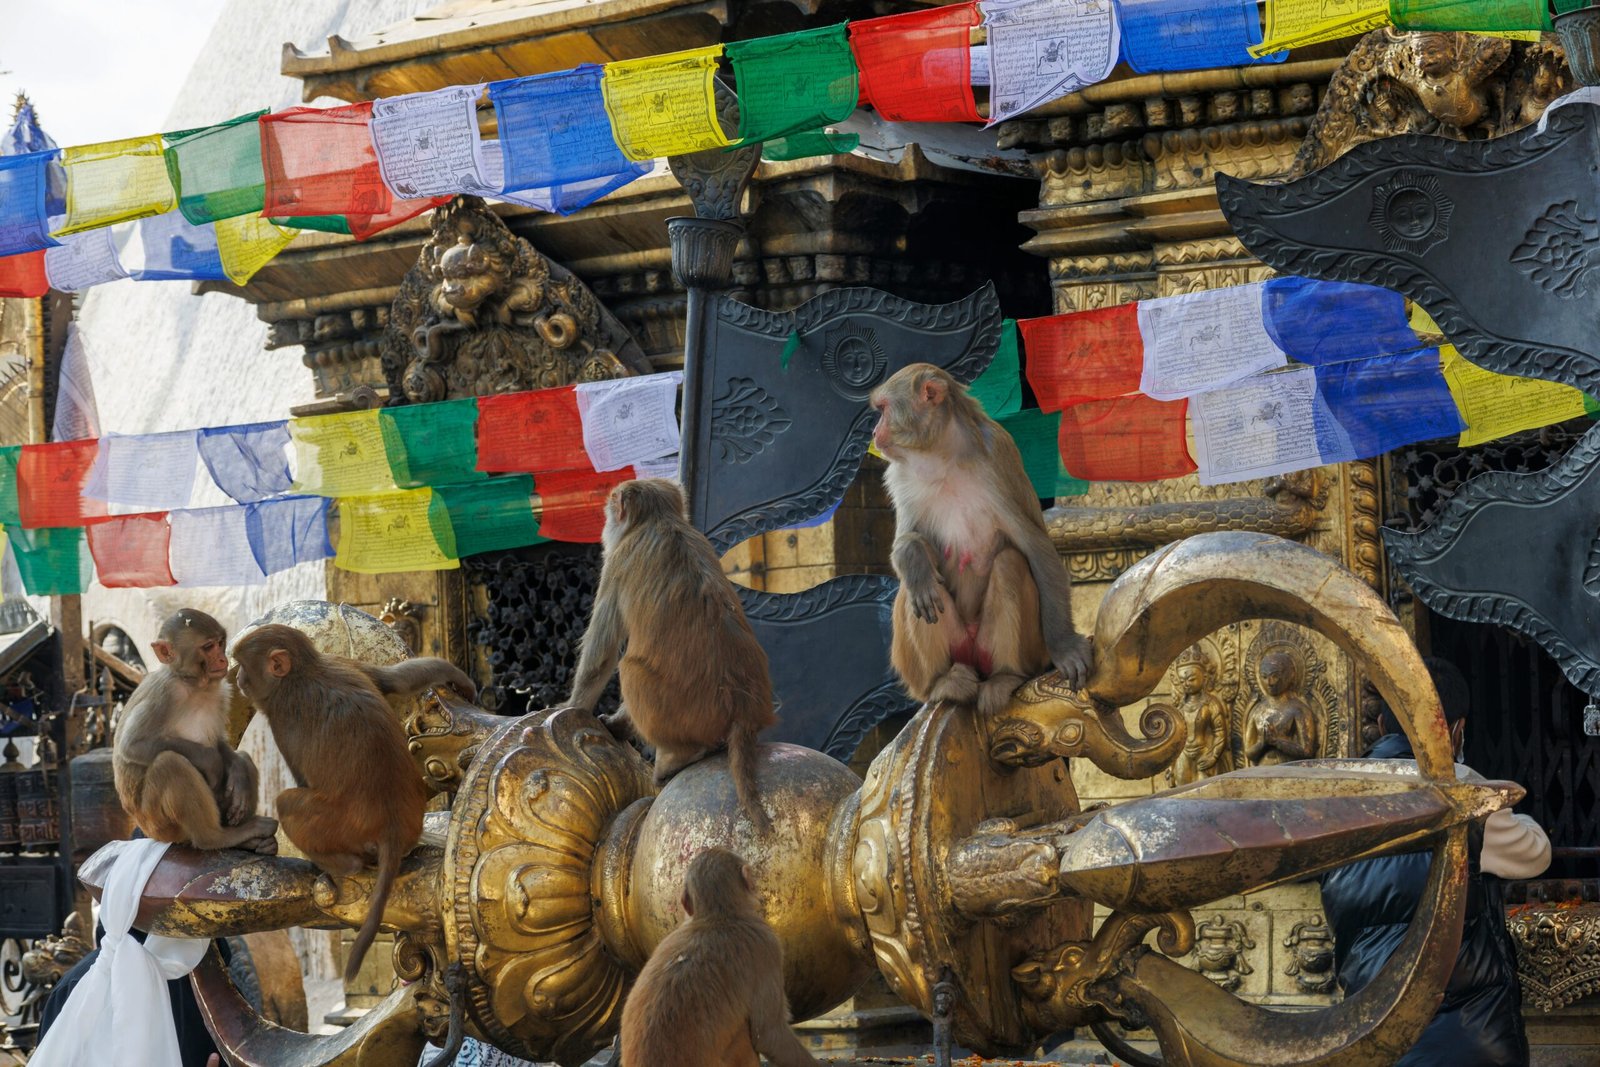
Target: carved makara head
x=471, y=274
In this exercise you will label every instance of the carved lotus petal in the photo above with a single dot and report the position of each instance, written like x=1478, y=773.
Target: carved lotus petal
x=1558, y=250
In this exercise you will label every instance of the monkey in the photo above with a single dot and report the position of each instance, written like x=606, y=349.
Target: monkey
x=175, y=773
x=985, y=602
x=694, y=677
x=711, y=994
x=358, y=797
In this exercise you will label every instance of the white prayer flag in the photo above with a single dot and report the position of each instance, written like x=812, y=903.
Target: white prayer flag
x=1042, y=49
x=84, y=259
x=77, y=417
x=428, y=144
x=665, y=467
x=145, y=470
x=626, y=420
x=1198, y=342
x=211, y=546
x=1262, y=426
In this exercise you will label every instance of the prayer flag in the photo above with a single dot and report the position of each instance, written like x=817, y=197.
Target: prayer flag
x=917, y=67
x=174, y=249
x=1295, y=23
x=77, y=415
x=52, y=562
x=83, y=260
x=145, y=470
x=24, y=217
x=1478, y=16
x=115, y=181
x=10, y=513
x=250, y=462
x=572, y=503
x=1496, y=405
x=487, y=516
x=1369, y=406
x=811, y=143
x=23, y=275
x=392, y=532
x=1330, y=322
x=999, y=387
x=340, y=455
x=362, y=227
x=1037, y=434
x=1258, y=427
x=563, y=198
x=1127, y=439
x=130, y=551
x=793, y=83
x=247, y=243
x=1090, y=355
x=1043, y=49
x=427, y=143
x=50, y=484
x=320, y=223
x=1202, y=341
x=1165, y=35
x=432, y=444
x=664, y=105
x=626, y=420
x=288, y=530
x=320, y=161
x=555, y=137
x=216, y=170
x=534, y=431
x=211, y=546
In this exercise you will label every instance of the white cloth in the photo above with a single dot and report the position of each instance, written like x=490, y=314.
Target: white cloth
x=1514, y=846
x=119, y=1014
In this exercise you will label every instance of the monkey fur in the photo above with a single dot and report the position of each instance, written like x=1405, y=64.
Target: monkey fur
x=985, y=602
x=175, y=772
x=711, y=994
x=359, y=797
x=694, y=678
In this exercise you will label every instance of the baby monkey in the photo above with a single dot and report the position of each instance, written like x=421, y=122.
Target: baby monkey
x=711, y=994
x=359, y=797
x=175, y=772
x=694, y=677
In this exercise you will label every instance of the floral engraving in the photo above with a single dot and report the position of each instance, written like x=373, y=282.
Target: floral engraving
x=744, y=420
x=1558, y=251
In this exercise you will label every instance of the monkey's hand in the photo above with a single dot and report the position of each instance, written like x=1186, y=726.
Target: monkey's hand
x=238, y=799
x=913, y=561
x=928, y=599
x=620, y=725
x=1073, y=658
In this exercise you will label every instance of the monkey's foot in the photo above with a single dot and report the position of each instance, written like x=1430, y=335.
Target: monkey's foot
x=669, y=765
x=994, y=695
x=959, y=684
x=262, y=846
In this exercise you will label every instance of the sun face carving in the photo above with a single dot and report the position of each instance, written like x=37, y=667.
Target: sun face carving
x=1411, y=212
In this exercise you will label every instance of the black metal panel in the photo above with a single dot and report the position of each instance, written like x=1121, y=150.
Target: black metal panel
x=29, y=898
x=781, y=443
x=828, y=649
x=1498, y=240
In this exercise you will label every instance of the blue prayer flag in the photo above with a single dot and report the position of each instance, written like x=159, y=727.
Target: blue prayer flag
x=554, y=130
x=1331, y=322
x=288, y=530
x=26, y=135
x=175, y=249
x=1366, y=407
x=249, y=463
x=562, y=199
x=24, y=220
x=1164, y=35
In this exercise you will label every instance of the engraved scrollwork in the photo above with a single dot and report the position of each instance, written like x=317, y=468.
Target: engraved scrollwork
x=1060, y=987
x=744, y=421
x=1048, y=719
x=1558, y=251
x=1558, y=953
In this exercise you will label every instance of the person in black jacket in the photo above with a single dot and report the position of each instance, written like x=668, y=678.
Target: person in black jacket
x=1369, y=905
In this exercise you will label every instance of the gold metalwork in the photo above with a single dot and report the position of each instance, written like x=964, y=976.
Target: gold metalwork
x=1311, y=966
x=1219, y=950
x=1558, y=952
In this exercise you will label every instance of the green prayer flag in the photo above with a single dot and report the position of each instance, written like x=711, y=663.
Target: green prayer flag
x=790, y=347
x=1591, y=408
x=1565, y=6
x=806, y=145
x=1475, y=15
x=1036, y=433
x=321, y=223
x=432, y=444
x=216, y=170
x=10, y=513
x=53, y=561
x=487, y=516
x=999, y=387
x=793, y=83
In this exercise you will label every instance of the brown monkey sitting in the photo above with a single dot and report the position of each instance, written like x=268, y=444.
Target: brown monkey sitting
x=694, y=678
x=175, y=772
x=984, y=602
x=711, y=994
x=360, y=797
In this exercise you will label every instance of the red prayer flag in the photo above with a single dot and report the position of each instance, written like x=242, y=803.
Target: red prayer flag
x=50, y=484
x=573, y=503
x=23, y=275
x=131, y=551
x=917, y=67
x=1127, y=439
x=320, y=161
x=531, y=432
x=364, y=226
x=1088, y=355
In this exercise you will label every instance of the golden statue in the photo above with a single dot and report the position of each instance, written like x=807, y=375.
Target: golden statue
x=962, y=860
x=1205, y=718
x=1280, y=726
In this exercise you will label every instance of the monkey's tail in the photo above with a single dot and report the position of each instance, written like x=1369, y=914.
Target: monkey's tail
x=388, y=866
x=742, y=762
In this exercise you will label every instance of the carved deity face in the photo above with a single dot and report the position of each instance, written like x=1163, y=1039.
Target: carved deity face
x=1277, y=673
x=469, y=276
x=1191, y=678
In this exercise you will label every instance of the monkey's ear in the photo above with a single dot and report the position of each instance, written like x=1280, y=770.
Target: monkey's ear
x=688, y=904
x=163, y=651
x=278, y=662
x=934, y=391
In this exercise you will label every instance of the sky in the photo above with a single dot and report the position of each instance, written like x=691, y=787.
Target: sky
x=100, y=70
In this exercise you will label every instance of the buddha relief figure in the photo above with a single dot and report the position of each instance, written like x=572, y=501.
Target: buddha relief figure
x=1281, y=726
x=1205, y=753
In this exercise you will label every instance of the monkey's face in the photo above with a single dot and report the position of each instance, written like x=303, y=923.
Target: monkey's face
x=910, y=407
x=261, y=667
x=197, y=655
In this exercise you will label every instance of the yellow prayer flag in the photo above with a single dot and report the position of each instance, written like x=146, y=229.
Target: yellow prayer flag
x=1422, y=323
x=1495, y=405
x=248, y=242
x=115, y=181
x=390, y=532
x=340, y=455
x=1293, y=23
x=664, y=105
